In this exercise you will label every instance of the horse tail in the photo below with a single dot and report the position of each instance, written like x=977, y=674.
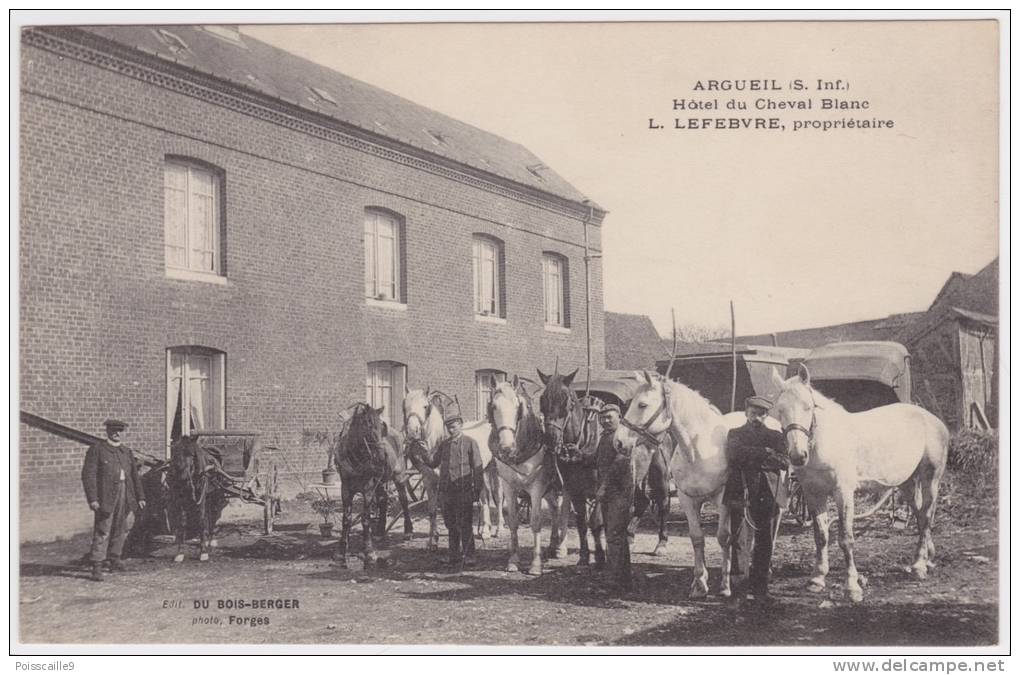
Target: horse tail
x=882, y=500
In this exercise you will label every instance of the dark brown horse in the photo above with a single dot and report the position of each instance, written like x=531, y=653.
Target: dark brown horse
x=196, y=496
x=368, y=457
x=572, y=432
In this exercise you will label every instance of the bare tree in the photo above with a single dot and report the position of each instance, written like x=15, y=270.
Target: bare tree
x=694, y=332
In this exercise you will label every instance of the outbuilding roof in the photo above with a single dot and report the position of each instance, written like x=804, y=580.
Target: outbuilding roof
x=229, y=54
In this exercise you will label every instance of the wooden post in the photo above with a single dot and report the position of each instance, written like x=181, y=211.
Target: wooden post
x=733, y=358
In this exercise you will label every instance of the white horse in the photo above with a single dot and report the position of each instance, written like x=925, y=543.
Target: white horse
x=663, y=409
x=837, y=452
x=423, y=424
x=517, y=431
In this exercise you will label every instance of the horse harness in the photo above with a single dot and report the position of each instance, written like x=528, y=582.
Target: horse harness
x=809, y=432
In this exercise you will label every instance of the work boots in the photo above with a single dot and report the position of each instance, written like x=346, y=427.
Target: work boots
x=97, y=571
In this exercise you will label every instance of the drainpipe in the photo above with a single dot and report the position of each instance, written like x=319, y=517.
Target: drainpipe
x=587, y=293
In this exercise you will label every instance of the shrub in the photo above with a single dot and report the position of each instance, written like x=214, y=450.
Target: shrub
x=975, y=453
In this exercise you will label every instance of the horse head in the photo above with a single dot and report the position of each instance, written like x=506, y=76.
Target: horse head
x=361, y=442
x=648, y=418
x=795, y=410
x=417, y=408
x=560, y=408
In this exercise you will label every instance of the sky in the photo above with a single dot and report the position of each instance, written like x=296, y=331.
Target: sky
x=798, y=229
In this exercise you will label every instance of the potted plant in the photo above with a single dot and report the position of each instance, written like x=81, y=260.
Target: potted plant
x=326, y=508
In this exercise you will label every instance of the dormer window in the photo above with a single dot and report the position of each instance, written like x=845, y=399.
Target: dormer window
x=322, y=96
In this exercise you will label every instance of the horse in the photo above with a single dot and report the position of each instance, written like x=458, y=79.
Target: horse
x=667, y=412
x=196, y=496
x=572, y=434
x=835, y=453
x=424, y=428
x=654, y=489
x=525, y=466
x=368, y=456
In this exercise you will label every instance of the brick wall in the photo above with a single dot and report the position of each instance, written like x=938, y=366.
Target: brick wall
x=98, y=312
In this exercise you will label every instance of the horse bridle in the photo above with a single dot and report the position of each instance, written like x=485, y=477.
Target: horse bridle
x=643, y=429
x=809, y=432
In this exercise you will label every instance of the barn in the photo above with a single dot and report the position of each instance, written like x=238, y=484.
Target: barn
x=954, y=350
x=215, y=233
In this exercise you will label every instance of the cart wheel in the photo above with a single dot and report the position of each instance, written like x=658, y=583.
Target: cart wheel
x=272, y=501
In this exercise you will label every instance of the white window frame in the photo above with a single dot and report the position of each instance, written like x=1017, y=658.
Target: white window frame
x=190, y=356
x=486, y=268
x=376, y=244
x=384, y=387
x=191, y=267
x=483, y=380
x=554, y=290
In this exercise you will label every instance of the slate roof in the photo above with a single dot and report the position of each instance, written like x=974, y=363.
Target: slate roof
x=887, y=328
x=227, y=54
x=632, y=343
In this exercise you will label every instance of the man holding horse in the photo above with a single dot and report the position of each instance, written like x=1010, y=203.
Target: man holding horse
x=460, y=483
x=615, y=495
x=114, y=492
x=757, y=457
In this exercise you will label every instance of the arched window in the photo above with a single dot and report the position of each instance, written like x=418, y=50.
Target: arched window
x=483, y=388
x=384, y=387
x=193, y=217
x=488, y=271
x=384, y=236
x=556, y=290
x=195, y=391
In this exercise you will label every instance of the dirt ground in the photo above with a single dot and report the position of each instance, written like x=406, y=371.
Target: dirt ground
x=409, y=599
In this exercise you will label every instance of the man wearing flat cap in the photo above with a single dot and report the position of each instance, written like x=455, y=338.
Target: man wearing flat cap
x=460, y=483
x=615, y=495
x=757, y=459
x=114, y=492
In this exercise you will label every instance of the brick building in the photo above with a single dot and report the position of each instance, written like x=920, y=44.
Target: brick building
x=217, y=233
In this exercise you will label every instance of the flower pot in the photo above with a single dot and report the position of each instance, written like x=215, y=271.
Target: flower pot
x=326, y=529
x=330, y=476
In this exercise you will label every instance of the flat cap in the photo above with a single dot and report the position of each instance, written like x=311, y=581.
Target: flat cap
x=115, y=425
x=612, y=407
x=758, y=402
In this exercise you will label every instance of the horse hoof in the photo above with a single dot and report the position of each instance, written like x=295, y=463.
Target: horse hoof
x=659, y=549
x=855, y=594
x=815, y=587
x=203, y=557
x=583, y=562
x=511, y=567
x=179, y=558
x=920, y=572
x=408, y=536
x=536, y=569
x=698, y=592
x=561, y=551
x=725, y=592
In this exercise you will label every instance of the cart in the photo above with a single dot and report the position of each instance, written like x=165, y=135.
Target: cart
x=246, y=470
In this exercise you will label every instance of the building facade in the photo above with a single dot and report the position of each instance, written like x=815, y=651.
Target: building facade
x=218, y=234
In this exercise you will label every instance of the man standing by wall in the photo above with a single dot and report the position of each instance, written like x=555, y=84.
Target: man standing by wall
x=615, y=495
x=460, y=482
x=114, y=492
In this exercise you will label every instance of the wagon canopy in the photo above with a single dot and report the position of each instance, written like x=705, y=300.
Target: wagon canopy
x=612, y=386
x=708, y=369
x=861, y=375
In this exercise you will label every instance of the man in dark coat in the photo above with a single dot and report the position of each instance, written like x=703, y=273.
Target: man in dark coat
x=114, y=492
x=615, y=495
x=460, y=483
x=757, y=459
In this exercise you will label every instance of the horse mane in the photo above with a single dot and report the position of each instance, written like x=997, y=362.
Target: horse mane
x=690, y=405
x=820, y=399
